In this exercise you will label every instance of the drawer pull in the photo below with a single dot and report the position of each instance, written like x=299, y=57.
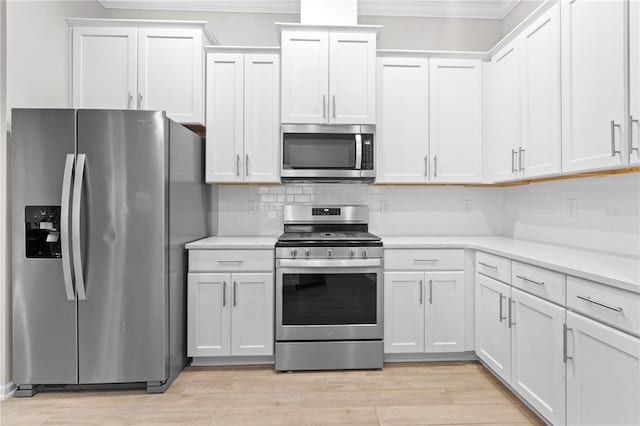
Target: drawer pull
x=230, y=261
x=425, y=260
x=604, y=305
x=565, y=355
x=488, y=266
x=522, y=277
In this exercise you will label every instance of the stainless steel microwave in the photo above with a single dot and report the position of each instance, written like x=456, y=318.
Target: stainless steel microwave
x=327, y=152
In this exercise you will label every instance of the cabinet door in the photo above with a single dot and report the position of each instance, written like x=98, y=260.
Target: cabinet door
x=104, y=69
x=403, y=312
x=444, y=319
x=455, y=120
x=352, y=78
x=224, y=144
x=492, y=334
x=634, y=48
x=261, y=117
x=541, y=130
x=208, y=315
x=402, y=131
x=252, y=320
x=305, y=76
x=603, y=374
x=593, y=84
x=537, y=364
x=503, y=149
x=171, y=73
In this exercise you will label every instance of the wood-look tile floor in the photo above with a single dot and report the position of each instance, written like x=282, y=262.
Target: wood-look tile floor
x=401, y=394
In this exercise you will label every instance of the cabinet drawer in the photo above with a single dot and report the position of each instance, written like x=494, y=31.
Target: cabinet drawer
x=542, y=282
x=617, y=307
x=424, y=259
x=230, y=260
x=494, y=266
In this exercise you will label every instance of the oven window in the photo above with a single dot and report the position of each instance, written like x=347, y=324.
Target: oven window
x=329, y=299
x=318, y=151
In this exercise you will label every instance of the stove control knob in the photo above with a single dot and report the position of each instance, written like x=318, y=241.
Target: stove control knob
x=294, y=253
x=353, y=253
x=307, y=252
x=365, y=253
x=329, y=253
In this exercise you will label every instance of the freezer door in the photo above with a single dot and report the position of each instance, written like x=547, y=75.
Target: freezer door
x=123, y=320
x=44, y=310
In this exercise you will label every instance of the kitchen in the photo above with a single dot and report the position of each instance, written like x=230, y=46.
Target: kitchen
x=507, y=203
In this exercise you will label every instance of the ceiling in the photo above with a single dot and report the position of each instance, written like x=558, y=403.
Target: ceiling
x=482, y=9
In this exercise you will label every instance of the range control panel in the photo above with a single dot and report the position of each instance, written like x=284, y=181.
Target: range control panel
x=325, y=211
x=42, y=232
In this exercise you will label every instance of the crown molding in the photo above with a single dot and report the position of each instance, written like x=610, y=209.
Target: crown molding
x=479, y=9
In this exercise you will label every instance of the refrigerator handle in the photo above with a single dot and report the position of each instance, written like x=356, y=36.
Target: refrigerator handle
x=75, y=226
x=64, y=227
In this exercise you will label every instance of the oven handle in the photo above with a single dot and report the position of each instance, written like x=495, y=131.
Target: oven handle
x=358, y=151
x=326, y=263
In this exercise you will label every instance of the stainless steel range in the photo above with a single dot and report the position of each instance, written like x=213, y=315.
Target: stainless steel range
x=329, y=290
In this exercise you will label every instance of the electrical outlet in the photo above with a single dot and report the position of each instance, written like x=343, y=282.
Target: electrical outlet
x=253, y=207
x=468, y=205
x=384, y=206
x=573, y=207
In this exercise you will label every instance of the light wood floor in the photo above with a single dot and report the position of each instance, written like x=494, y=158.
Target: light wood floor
x=401, y=394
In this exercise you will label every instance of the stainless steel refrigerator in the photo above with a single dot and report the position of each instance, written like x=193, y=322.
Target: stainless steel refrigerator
x=102, y=203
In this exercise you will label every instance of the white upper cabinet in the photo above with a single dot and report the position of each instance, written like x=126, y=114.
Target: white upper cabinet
x=634, y=73
x=105, y=68
x=328, y=76
x=352, y=80
x=243, y=126
x=305, y=76
x=131, y=64
x=593, y=84
x=170, y=72
x=539, y=152
x=403, y=109
x=455, y=120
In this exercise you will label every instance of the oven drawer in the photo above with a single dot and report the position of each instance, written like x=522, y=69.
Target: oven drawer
x=230, y=260
x=542, y=282
x=494, y=266
x=424, y=259
x=617, y=307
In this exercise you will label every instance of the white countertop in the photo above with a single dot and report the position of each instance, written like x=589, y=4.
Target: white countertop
x=256, y=243
x=617, y=271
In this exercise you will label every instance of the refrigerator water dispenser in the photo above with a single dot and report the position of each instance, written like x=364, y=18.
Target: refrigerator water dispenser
x=42, y=232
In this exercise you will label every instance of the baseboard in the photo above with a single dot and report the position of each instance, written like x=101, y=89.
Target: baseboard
x=7, y=391
x=218, y=361
x=420, y=357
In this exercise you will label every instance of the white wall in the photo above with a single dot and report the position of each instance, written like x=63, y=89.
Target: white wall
x=5, y=331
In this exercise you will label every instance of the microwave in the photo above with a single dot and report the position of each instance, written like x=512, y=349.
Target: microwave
x=327, y=153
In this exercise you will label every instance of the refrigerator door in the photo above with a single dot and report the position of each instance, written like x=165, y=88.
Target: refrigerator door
x=123, y=320
x=44, y=306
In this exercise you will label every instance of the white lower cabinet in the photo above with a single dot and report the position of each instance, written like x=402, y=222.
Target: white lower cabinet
x=229, y=314
x=537, y=363
x=424, y=312
x=603, y=374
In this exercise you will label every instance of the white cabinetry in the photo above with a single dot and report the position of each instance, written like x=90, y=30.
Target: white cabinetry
x=593, y=84
x=634, y=74
x=603, y=374
x=242, y=116
x=403, y=312
x=230, y=308
x=445, y=313
x=328, y=76
x=129, y=64
x=455, y=120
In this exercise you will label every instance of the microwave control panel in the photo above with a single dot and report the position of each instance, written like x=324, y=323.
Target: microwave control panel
x=367, y=152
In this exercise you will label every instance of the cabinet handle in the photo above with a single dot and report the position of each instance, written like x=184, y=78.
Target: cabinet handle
x=511, y=313
x=522, y=277
x=513, y=161
x=604, y=305
x=420, y=299
x=224, y=293
x=237, y=164
x=431, y=292
x=632, y=121
x=520, y=159
x=246, y=164
x=565, y=339
x=500, y=311
x=435, y=165
x=139, y=100
x=129, y=99
x=424, y=260
x=426, y=166
x=235, y=294
x=334, y=106
x=614, y=151
x=488, y=266
x=324, y=106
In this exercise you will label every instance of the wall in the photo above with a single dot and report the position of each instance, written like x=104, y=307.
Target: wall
x=394, y=210
x=399, y=32
x=5, y=331
x=517, y=14
x=606, y=217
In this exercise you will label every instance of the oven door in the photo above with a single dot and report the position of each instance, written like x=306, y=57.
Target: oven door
x=324, y=300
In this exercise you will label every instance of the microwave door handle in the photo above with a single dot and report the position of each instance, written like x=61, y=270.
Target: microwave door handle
x=358, y=151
